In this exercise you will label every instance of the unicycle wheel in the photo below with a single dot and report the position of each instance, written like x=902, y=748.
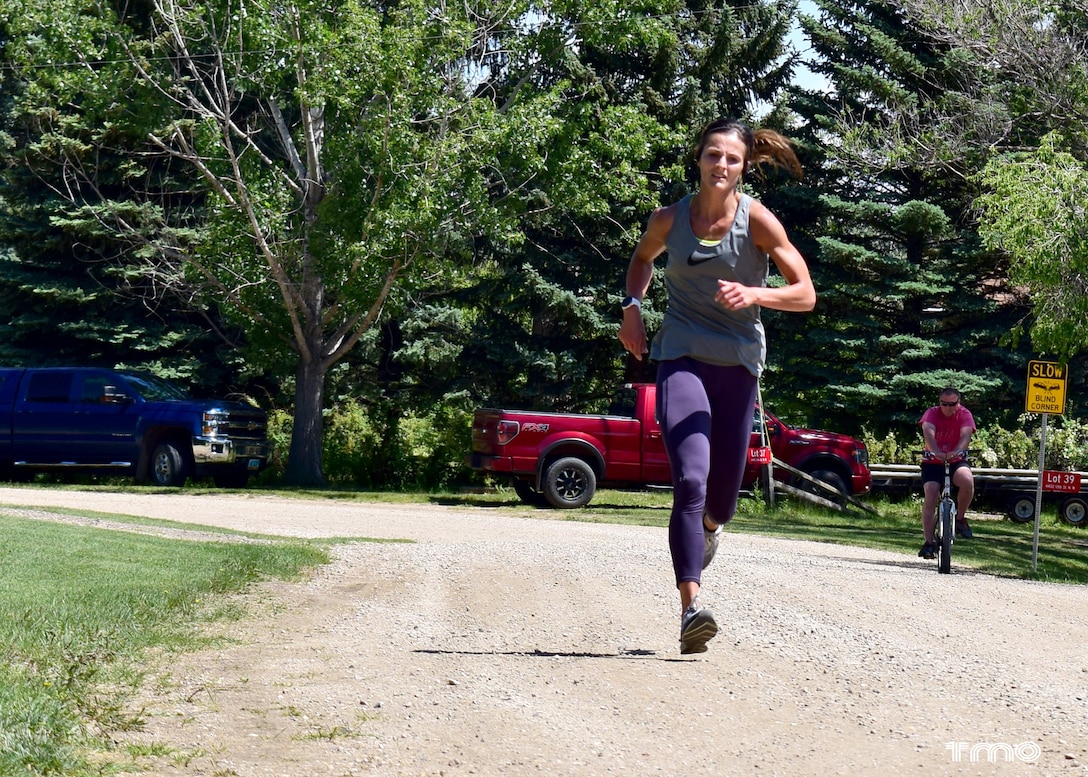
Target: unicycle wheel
x=946, y=528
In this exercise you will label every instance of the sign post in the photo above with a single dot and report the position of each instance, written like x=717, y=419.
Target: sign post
x=1046, y=396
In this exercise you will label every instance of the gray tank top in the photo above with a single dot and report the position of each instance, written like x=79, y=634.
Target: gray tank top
x=694, y=324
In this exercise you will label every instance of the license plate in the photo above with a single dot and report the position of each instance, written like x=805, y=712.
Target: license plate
x=254, y=464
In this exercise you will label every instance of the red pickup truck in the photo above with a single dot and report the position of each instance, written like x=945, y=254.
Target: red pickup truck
x=563, y=457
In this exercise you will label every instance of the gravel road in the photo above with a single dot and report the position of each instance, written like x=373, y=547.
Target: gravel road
x=501, y=645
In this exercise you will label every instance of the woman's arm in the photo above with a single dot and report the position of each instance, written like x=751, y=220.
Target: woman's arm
x=640, y=271
x=769, y=236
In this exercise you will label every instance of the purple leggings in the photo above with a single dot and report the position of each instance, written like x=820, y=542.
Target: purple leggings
x=705, y=412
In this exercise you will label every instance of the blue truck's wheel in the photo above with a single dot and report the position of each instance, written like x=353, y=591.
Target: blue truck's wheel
x=168, y=466
x=569, y=482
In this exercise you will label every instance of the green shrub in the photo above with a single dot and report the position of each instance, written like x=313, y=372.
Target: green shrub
x=280, y=423
x=377, y=446
x=434, y=446
x=891, y=449
x=1008, y=449
x=351, y=444
x=1067, y=444
x=994, y=446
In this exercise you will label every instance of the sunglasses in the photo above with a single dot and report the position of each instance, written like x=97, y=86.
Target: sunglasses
x=949, y=404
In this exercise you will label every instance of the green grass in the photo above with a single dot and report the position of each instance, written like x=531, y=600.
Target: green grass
x=79, y=609
x=999, y=547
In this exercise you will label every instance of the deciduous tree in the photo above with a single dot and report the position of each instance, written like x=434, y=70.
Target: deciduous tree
x=341, y=160
x=1036, y=209
x=1021, y=68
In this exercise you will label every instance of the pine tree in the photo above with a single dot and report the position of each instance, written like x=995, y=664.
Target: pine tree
x=66, y=295
x=631, y=86
x=910, y=301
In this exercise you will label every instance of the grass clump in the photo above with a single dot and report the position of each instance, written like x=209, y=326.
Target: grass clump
x=80, y=606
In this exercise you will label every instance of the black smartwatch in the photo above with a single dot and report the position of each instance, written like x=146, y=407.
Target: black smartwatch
x=631, y=302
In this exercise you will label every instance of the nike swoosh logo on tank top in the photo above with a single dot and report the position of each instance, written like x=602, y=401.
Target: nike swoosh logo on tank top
x=698, y=257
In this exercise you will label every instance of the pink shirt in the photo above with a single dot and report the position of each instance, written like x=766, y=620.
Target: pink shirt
x=948, y=430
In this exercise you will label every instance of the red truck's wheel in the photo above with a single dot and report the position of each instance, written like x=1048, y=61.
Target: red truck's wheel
x=833, y=479
x=569, y=482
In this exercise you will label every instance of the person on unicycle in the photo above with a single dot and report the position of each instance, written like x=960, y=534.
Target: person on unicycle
x=947, y=429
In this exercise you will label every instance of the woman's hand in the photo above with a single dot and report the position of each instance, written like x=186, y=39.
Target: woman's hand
x=736, y=296
x=633, y=333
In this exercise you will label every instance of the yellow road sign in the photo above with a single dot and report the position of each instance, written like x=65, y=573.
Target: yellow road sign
x=1046, y=387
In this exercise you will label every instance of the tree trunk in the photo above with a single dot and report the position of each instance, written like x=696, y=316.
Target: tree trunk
x=307, y=434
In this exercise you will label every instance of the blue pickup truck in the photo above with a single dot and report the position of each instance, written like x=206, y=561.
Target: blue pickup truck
x=125, y=422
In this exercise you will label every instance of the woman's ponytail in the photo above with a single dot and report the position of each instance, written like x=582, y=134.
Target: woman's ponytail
x=769, y=147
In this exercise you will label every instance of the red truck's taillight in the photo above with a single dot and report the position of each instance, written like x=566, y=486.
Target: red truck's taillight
x=507, y=431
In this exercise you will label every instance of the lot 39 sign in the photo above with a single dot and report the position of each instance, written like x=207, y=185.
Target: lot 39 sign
x=1062, y=482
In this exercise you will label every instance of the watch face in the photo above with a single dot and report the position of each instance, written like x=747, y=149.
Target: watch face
x=629, y=302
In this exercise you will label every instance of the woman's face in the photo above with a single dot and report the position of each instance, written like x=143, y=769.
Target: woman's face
x=722, y=162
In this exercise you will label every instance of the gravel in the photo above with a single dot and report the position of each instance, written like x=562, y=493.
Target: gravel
x=500, y=645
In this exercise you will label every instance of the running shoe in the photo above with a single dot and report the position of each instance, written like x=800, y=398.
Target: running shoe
x=697, y=627
x=929, y=550
x=710, y=544
x=963, y=530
